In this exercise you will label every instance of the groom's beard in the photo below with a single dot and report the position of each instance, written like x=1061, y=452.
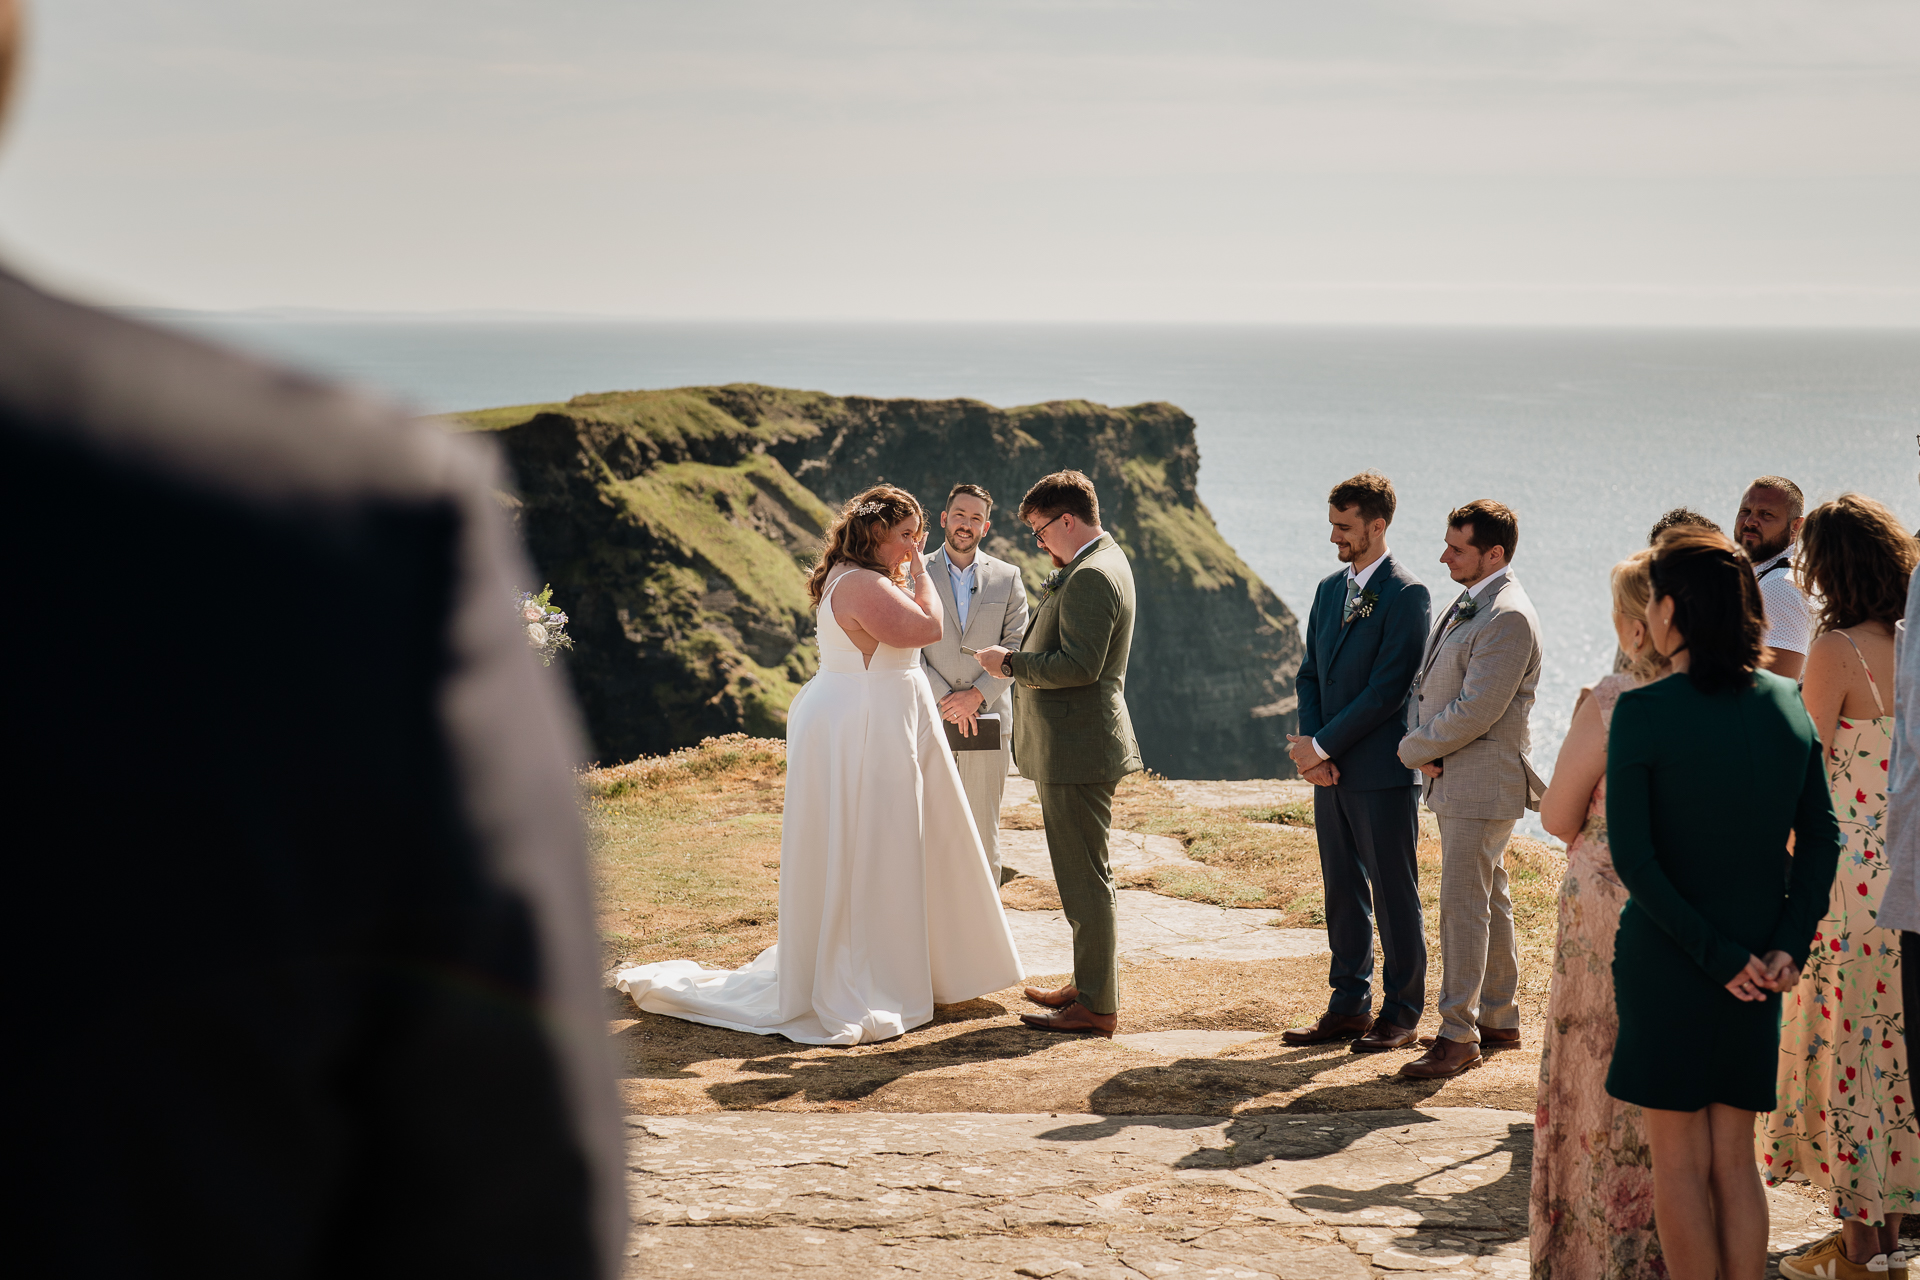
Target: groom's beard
x=1348, y=550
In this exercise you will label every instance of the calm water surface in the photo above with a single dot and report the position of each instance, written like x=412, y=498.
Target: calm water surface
x=1588, y=435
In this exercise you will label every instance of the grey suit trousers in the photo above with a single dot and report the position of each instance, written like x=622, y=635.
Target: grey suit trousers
x=1479, y=956
x=983, y=775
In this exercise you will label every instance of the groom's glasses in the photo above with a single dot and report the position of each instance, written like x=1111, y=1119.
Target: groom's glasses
x=1048, y=525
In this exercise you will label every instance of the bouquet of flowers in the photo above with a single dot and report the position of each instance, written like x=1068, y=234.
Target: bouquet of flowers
x=546, y=625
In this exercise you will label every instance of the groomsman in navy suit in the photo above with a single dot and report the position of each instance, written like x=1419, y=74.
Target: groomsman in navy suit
x=1365, y=636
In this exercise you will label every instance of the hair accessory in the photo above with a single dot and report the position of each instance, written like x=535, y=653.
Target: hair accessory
x=870, y=509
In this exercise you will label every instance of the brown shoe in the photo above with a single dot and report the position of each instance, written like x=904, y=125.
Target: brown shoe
x=1332, y=1026
x=1077, y=1018
x=1446, y=1058
x=1492, y=1039
x=1058, y=998
x=1384, y=1037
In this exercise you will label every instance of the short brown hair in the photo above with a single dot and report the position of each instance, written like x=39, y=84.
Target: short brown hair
x=1493, y=524
x=1370, y=491
x=1062, y=493
x=972, y=491
x=1855, y=560
x=1679, y=515
x=1785, y=486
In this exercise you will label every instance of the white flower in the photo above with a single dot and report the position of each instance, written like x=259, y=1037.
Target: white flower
x=532, y=612
x=537, y=635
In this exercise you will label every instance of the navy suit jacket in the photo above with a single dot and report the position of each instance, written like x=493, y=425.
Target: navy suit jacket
x=1355, y=680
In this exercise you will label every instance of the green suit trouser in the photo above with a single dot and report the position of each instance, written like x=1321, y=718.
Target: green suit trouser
x=1078, y=816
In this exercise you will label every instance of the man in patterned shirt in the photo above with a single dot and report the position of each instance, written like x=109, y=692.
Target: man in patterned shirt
x=1768, y=523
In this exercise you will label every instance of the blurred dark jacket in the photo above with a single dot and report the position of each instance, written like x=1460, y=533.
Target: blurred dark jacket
x=299, y=943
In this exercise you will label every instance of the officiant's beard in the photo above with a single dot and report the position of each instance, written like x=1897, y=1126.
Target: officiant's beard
x=962, y=540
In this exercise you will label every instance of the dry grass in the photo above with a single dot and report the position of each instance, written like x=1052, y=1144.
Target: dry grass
x=687, y=863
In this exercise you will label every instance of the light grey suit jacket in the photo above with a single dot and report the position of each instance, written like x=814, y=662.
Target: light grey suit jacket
x=997, y=615
x=1470, y=704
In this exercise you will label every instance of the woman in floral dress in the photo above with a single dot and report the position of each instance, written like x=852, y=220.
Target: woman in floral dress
x=1845, y=1122
x=1592, y=1197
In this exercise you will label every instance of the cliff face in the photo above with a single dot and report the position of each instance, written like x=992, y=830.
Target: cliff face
x=675, y=527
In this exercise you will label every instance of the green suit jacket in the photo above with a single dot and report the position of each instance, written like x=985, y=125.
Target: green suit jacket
x=1070, y=721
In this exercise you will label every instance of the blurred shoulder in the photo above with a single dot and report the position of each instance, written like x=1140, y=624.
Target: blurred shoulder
x=137, y=395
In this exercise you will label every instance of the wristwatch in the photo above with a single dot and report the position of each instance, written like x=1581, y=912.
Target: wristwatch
x=1006, y=667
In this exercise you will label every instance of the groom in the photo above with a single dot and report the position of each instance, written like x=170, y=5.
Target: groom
x=1071, y=733
x=1364, y=638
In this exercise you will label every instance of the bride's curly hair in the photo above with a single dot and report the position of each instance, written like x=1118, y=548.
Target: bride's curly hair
x=855, y=535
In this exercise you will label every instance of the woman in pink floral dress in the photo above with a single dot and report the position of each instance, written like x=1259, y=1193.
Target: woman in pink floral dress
x=1592, y=1200
x=1845, y=1122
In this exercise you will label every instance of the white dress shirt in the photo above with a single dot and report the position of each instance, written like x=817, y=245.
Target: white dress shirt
x=1789, y=620
x=1361, y=578
x=1083, y=547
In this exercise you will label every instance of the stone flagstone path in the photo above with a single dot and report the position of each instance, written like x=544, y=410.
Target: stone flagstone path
x=1298, y=1197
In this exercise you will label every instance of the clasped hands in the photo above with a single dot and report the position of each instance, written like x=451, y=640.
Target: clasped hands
x=962, y=707
x=1321, y=773
x=1775, y=972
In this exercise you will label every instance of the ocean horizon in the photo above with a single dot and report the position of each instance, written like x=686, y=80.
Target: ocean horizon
x=1589, y=434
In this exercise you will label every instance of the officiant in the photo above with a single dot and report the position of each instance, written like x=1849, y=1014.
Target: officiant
x=985, y=605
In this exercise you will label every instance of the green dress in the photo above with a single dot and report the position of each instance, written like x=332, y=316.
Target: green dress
x=1702, y=791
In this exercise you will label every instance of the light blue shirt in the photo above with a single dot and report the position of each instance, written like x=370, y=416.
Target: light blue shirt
x=1900, y=900
x=962, y=580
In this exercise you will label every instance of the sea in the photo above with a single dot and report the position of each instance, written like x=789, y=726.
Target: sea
x=1588, y=434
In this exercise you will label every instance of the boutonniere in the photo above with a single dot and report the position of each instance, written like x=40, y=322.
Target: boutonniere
x=1052, y=584
x=1363, y=605
x=1465, y=609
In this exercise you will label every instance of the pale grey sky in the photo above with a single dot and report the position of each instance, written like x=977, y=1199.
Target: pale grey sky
x=1479, y=161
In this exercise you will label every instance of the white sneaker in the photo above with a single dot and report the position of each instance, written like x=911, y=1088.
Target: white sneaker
x=1897, y=1264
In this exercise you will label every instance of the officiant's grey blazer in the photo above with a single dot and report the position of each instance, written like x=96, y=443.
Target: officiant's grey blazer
x=1470, y=706
x=997, y=615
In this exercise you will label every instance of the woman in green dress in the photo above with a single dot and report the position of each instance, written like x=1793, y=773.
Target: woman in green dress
x=1709, y=772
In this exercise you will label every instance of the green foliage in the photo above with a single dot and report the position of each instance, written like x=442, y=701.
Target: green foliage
x=1295, y=813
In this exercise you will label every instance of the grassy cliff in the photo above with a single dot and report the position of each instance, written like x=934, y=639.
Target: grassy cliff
x=676, y=526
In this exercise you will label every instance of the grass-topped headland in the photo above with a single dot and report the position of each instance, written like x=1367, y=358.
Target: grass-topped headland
x=676, y=527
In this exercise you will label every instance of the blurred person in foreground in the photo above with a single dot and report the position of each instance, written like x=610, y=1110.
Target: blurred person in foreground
x=297, y=883
x=1364, y=635
x=1900, y=902
x=1766, y=527
x=1709, y=771
x=1591, y=1211
x=1845, y=1122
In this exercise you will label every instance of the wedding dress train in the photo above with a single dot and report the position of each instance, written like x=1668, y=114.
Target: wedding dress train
x=886, y=902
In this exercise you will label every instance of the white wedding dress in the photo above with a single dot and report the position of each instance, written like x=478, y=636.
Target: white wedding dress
x=886, y=902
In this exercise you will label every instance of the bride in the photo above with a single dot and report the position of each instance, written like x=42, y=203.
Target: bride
x=886, y=903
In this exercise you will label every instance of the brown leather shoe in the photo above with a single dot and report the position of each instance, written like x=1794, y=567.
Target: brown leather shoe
x=1384, y=1037
x=1446, y=1058
x=1492, y=1039
x=1058, y=998
x=1076, y=1018
x=1332, y=1026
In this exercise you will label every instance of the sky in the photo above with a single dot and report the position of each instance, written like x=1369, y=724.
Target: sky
x=1648, y=162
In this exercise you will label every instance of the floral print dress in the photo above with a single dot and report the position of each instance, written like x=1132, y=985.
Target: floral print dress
x=1591, y=1206
x=1846, y=1119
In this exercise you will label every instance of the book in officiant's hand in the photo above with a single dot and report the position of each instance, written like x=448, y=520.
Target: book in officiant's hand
x=986, y=735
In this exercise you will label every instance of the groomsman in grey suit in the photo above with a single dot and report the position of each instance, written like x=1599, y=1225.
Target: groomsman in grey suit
x=1364, y=640
x=1468, y=734
x=986, y=605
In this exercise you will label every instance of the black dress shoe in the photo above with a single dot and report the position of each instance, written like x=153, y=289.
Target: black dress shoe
x=1384, y=1037
x=1332, y=1026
